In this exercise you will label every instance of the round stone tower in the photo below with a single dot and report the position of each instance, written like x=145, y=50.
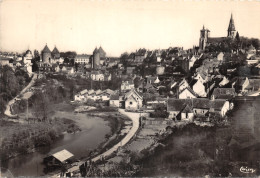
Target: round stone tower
x=46, y=54
x=96, y=59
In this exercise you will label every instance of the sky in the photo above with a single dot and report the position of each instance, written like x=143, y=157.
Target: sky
x=119, y=26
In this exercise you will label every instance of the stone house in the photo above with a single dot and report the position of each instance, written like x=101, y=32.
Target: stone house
x=223, y=93
x=97, y=76
x=187, y=93
x=127, y=85
x=187, y=113
x=133, y=100
x=199, y=88
x=181, y=108
x=183, y=84
x=114, y=101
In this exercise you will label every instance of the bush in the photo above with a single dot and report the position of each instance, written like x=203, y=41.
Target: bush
x=43, y=140
x=160, y=112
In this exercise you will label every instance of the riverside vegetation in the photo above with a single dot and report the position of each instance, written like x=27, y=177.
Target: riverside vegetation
x=50, y=93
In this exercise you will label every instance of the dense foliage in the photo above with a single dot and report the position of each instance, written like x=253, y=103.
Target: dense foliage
x=11, y=83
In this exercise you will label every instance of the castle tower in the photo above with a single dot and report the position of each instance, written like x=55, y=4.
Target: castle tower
x=96, y=59
x=46, y=54
x=204, y=35
x=231, y=28
x=102, y=53
x=55, y=53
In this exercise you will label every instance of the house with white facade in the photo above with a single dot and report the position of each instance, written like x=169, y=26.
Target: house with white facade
x=224, y=81
x=82, y=59
x=97, y=95
x=220, y=56
x=97, y=76
x=187, y=109
x=114, y=101
x=187, y=114
x=187, y=93
x=183, y=84
x=202, y=77
x=199, y=88
x=127, y=85
x=133, y=100
x=192, y=60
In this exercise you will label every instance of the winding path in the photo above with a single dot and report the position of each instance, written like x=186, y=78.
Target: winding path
x=135, y=120
x=11, y=102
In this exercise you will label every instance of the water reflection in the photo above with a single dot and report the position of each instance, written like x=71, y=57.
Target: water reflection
x=80, y=144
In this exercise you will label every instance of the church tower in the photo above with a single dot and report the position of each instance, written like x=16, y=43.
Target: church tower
x=231, y=28
x=204, y=35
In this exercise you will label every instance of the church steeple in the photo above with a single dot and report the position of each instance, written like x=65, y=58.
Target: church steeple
x=231, y=28
x=204, y=35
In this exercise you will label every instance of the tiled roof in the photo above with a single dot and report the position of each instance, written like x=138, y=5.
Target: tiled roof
x=46, y=49
x=177, y=104
x=109, y=91
x=114, y=97
x=63, y=155
x=83, y=92
x=187, y=109
x=98, y=92
x=95, y=51
x=216, y=40
x=221, y=92
x=190, y=90
x=200, y=103
x=55, y=50
x=204, y=103
x=133, y=91
x=83, y=56
x=100, y=50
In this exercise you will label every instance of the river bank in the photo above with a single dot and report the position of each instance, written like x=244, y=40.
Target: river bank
x=17, y=138
x=189, y=149
x=91, y=140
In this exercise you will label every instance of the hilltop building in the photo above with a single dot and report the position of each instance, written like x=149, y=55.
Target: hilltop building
x=49, y=56
x=46, y=55
x=231, y=28
x=55, y=53
x=98, y=55
x=205, y=38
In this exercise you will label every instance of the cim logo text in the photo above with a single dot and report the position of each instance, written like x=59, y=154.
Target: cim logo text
x=247, y=170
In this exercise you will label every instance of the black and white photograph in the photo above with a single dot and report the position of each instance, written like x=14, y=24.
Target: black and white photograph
x=129, y=88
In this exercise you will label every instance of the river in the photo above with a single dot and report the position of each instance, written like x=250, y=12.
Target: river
x=80, y=144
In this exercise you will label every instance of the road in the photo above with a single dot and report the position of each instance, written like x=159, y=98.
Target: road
x=135, y=120
x=11, y=102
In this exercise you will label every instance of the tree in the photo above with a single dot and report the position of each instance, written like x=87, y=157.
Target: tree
x=160, y=111
x=256, y=43
x=41, y=107
x=237, y=37
x=123, y=58
x=36, y=56
x=66, y=60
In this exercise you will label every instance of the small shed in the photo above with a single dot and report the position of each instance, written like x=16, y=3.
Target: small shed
x=58, y=158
